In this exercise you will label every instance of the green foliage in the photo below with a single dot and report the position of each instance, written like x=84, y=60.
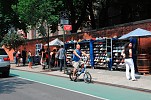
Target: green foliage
x=82, y=13
x=35, y=12
x=13, y=41
x=8, y=17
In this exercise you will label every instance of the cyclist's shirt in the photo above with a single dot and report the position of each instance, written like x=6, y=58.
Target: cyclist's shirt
x=76, y=58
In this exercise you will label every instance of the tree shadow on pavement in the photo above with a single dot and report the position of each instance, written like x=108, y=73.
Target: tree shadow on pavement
x=10, y=84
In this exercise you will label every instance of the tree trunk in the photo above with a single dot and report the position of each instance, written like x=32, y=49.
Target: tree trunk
x=81, y=18
x=70, y=7
x=93, y=25
x=103, y=16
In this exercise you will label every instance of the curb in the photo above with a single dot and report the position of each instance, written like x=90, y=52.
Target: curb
x=96, y=82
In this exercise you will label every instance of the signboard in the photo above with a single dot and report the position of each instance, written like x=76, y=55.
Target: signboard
x=64, y=22
x=67, y=27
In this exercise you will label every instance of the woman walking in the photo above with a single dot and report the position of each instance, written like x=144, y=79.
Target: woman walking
x=29, y=60
x=57, y=58
x=18, y=56
x=127, y=54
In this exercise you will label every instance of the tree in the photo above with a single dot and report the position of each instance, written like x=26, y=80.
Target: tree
x=8, y=18
x=128, y=11
x=35, y=13
x=13, y=41
x=98, y=13
x=81, y=13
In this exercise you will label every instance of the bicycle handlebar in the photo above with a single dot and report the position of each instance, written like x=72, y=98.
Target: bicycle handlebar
x=85, y=59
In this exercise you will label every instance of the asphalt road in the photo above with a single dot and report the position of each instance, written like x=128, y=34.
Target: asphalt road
x=19, y=89
x=35, y=86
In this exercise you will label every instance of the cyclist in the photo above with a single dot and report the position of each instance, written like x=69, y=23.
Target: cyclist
x=76, y=59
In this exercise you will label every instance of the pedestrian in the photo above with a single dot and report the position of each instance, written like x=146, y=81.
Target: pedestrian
x=109, y=61
x=18, y=56
x=29, y=60
x=127, y=54
x=57, y=58
x=14, y=55
x=24, y=55
x=53, y=57
x=62, y=57
x=47, y=56
x=43, y=57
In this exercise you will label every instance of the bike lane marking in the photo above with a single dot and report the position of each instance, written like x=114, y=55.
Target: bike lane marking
x=95, y=90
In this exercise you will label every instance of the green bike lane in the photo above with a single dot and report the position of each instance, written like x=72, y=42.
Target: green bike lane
x=97, y=90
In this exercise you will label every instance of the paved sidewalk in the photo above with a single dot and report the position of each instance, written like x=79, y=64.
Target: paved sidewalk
x=116, y=78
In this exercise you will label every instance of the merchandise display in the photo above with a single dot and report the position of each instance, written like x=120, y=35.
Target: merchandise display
x=118, y=60
x=85, y=47
x=70, y=47
x=109, y=53
x=100, y=53
x=69, y=52
x=104, y=52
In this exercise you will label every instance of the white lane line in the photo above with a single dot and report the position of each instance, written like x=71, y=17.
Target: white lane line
x=64, y=88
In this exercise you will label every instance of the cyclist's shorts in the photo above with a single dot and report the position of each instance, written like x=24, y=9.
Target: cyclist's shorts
x=77, y=64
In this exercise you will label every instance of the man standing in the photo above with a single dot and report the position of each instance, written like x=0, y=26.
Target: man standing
x=24, y=55
x=62, y=57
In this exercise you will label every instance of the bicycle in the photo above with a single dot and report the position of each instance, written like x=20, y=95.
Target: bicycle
x=86, y=75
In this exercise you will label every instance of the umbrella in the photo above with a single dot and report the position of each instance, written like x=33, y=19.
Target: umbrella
x=137, y=33
x=55, y=42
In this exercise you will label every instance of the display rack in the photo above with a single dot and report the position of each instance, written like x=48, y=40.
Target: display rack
x=69, y=51
x=109, y=47
x=70, y=47
x=100, y=53
x=118, y=60
x=85, y=47
x=109, y=53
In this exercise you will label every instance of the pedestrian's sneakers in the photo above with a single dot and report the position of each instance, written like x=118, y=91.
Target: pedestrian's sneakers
x=134, y=79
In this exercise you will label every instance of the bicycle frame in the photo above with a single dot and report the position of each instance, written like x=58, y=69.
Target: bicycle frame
x=83, y=70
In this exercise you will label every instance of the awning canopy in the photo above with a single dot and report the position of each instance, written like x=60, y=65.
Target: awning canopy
x=136, y=33
x=55, y=42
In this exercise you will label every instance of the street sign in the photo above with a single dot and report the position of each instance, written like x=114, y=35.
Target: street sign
x=64, y=22
x=67, y=27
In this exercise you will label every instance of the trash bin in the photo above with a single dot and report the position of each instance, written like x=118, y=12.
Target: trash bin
x=143, y=63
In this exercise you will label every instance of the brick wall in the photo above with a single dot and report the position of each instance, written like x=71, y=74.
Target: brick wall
x=119, y=30
x=114, y=31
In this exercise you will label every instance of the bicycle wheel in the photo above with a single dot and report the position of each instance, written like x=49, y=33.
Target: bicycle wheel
x=87, y=77
x=71, y=77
